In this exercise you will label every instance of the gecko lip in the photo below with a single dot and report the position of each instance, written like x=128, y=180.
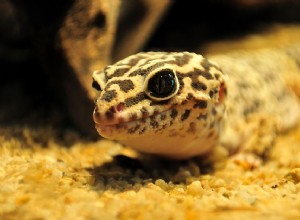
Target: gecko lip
x=125, y=124
x=112, y=130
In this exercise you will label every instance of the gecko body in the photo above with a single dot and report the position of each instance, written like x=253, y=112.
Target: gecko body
x=180, y=105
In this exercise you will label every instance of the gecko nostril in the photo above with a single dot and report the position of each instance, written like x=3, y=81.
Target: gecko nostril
x=120, y=107
x=108, y=116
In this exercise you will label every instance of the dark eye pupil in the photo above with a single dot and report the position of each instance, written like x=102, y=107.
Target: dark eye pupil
x=96, y=86
x=162, y=84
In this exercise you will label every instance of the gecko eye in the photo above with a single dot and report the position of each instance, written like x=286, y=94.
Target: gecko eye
x=96, y=85
x=162, y=85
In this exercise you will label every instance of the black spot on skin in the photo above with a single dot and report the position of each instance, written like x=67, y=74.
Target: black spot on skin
x=119, y=72
x=196, y=84
x=253, y=108
x=154, y=123
x=211, y=93
x=184, y=102
x=190, y=96
x=143, y=72
x=205, y=63
x=163, y=117
x=207, y=75
x=134, y=61
x=144, y=112
x=192, y=127
x=214, y=92
x=125, y=85
x=159, y=130
x=109, y=95
x=185, y=115
x=130, y=62
x=212, y=124
x=181, y=60
x=199, y=86
x=200, y=104
x=202, y=117
x=215, y=66
x=217, y=76
x=155, y=112
x=140, y=72
x=133, y=129
x=133, y=117
x=174, y=113
x=109, y=114
x=135, y=100
x=213, y=111
x=164, y=102
x=143, y=130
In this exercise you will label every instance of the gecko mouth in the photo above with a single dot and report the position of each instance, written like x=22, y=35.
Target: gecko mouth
x=106, y=129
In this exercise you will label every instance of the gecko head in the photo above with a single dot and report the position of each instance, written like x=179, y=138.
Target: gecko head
x=160, y=102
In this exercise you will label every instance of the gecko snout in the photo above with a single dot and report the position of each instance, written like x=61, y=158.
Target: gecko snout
x=110, y=116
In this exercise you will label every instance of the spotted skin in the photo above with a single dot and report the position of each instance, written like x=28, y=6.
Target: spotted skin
x=210, y=106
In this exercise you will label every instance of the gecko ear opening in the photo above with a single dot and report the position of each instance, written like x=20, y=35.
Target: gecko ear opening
x=222, y=93
x=161, y=85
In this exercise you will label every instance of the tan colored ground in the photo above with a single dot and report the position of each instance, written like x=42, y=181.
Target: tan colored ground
x=46, y=177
